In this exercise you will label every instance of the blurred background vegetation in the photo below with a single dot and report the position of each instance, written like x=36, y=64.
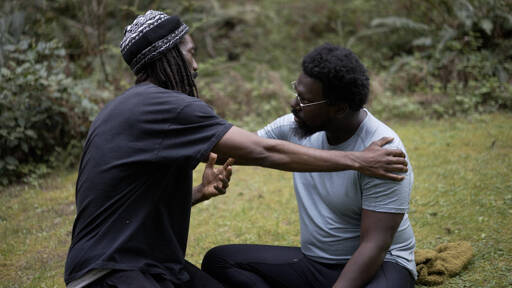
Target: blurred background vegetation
x=60, y=62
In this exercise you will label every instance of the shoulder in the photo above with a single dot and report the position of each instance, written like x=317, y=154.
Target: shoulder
x=281, y=128
x=374, y=129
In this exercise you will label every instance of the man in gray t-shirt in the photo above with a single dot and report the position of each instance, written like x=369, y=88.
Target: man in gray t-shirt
x=355, y=230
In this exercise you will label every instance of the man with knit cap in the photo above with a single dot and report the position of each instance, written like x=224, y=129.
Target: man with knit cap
x=134, y=189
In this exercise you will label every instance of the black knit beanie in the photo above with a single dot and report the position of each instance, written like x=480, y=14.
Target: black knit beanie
x=150, y=36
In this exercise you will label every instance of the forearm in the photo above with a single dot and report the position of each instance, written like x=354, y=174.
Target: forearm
x=249, y=149
x=290, y=157
x=362, y=266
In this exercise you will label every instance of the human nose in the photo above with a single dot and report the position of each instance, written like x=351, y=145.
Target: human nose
x=295, y=104
x=194, y=64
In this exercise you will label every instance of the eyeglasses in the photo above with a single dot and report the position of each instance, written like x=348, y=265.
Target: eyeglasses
x=294, y=88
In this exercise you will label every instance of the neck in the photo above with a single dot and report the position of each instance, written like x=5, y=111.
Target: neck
x=345, y=127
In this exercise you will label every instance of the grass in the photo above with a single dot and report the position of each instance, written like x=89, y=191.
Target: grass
x=462, y=191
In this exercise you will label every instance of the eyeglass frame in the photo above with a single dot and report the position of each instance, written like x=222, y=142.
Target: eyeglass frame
x=293, y=83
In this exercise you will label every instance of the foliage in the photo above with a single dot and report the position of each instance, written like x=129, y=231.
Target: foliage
x=41, y=109
x=246, y=99
x=427, y=58
x=461, y=58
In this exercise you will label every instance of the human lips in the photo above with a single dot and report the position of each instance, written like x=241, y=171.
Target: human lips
x=296, y=117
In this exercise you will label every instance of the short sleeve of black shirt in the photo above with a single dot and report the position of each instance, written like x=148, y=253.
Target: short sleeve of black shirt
x=191, y=134
x=134, y=185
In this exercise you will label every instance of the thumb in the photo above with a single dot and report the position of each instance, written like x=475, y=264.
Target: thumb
x=212, y=158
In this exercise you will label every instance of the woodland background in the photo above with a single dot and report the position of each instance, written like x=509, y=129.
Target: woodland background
x=60, y=62
x=441, y=77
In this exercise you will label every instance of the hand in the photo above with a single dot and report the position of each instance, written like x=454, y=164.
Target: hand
x=379, y=162
x=215, y=180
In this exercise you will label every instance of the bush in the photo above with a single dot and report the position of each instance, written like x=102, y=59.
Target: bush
x=250, y=99
x=41, y=110
x=459, y=63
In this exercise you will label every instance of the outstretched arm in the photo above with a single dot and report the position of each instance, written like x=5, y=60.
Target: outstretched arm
x=377, y=232
x=250, y=149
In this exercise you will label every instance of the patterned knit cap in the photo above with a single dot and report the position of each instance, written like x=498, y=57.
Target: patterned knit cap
x=149, y=37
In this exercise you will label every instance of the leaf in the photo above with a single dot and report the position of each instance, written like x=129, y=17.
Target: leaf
x=487, y=26
x=398, y=23
x=508, y=18
x=366, y=32
x=465, y=12
x=5, y=72
x=31, y=133
x=11, y=160
x=17, y=23
x=422, y=41
x=502, y=74
x=21, y=122
x=24, y=147
x=446, y=34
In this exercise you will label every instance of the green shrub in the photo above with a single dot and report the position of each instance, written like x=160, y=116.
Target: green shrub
x=41, y=109
x=460, y=60
x=249, y=99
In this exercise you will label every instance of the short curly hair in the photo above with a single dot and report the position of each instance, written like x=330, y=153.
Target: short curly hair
x=344, y=78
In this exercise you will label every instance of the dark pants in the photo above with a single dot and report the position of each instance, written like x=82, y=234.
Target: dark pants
x=275, y=266
x=138, y=279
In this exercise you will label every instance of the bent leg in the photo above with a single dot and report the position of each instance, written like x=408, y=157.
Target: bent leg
x=258, y=266
x=198, y=278
x=392, y=275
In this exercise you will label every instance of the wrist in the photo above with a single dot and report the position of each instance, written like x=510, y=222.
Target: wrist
x=356, y=162
x=198, y=194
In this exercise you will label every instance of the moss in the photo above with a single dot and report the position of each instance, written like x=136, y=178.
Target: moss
x=446, y=260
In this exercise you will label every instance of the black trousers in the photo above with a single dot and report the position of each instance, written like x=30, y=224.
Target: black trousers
x=262, y=266
x=138, y=279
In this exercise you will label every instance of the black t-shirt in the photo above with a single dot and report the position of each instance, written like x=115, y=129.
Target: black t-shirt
x=134, y=187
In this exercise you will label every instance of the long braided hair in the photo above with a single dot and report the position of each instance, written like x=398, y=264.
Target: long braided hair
x=170, y=71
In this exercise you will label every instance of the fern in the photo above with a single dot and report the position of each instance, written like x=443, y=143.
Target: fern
x=399, y=23
x=464, y=12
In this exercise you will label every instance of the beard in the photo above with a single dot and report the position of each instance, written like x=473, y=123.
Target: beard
x=301, y=129
x=194, y=74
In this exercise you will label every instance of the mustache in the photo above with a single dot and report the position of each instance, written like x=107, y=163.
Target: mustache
x=301, y=129
x=295, y=113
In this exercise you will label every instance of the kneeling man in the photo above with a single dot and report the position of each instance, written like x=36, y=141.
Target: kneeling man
x=354, y=228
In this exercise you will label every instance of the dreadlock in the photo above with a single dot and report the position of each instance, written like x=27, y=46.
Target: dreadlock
x=170, y=71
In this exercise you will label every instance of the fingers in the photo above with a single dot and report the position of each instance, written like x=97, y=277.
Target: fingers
x=219, y=190
x=395, y=152
x=228, y=169
x=212, y=158
x=397, y=168
x=393, y=177
x=382, y=141
x=396, y=161
x=228, y=163
x=225, y=182
x=228, y=173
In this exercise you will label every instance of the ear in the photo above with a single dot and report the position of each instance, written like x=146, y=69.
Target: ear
x=340, y=109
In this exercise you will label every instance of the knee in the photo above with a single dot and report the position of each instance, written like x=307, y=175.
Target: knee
x=216, y=259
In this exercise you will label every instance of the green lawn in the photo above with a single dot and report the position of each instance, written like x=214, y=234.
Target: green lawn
x=462, y=191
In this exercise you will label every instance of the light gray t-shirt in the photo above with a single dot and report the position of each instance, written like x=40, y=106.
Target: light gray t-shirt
x=330, y=204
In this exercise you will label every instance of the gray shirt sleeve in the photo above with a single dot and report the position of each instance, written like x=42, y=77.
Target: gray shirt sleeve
x=386, y=195
x=279, y=128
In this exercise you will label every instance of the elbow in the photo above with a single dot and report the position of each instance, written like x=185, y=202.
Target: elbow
x=378, y=246
x=262, y=153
